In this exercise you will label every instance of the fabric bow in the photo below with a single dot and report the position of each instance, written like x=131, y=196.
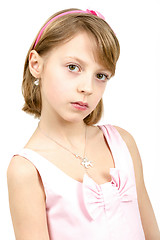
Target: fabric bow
x=101, y=199
x=96, y=13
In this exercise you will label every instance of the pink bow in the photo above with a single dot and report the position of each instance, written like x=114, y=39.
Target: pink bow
x=101, y=199
x=96, y=13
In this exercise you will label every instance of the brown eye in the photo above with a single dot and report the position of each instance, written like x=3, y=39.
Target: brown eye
x=73, y=68
x=102, y=77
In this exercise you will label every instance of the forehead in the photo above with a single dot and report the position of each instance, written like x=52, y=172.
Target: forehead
x=83, y=46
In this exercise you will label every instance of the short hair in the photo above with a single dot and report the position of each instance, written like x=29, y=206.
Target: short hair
x=60, y=31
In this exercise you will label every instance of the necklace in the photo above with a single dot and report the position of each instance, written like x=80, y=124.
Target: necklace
x=84, y=160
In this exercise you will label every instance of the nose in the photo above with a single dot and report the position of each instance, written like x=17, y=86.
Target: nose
x=86, y=84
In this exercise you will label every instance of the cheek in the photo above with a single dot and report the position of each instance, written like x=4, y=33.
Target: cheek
x=54, y=86
x=99, y=94
x=53, y=91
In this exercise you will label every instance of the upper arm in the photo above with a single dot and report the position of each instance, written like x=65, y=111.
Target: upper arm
x=27, y=201
x=148, y=219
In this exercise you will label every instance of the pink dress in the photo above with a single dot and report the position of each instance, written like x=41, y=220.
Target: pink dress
x=87, y=210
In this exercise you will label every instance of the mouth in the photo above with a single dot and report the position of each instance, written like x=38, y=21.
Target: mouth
x=81, y=104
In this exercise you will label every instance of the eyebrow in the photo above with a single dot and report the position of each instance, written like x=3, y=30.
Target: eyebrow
x=83, y=63
x=78, y=60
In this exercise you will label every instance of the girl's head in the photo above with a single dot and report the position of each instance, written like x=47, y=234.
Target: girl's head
x=60, y=31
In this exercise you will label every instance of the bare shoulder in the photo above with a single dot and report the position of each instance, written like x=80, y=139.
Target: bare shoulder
x=148, y=219
x=22, y=175
x=20, y=172
x=132, y=146
x=19, y=163
x=133, y=149
x=127, y=137
x=26, y=200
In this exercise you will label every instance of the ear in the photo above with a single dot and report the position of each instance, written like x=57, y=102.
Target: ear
x=35, y=64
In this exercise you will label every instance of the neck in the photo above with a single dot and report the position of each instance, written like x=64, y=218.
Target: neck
x=67, y=133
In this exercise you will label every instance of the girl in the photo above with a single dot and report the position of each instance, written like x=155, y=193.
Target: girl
x=74, y=179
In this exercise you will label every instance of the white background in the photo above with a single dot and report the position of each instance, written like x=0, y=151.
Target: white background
x=132, y=98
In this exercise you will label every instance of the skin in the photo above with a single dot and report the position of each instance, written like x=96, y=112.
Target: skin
x=69, y=86
x=65, y=79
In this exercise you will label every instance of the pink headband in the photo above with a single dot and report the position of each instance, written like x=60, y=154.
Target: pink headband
x=96, y=13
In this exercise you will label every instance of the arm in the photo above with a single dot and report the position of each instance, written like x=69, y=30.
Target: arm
x=27, y=200
x=148, y=219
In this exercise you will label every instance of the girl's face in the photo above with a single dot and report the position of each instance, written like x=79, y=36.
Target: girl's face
x=71, y=74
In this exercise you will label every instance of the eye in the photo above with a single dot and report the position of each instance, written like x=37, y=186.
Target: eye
x=102, y=77
x=73, y=68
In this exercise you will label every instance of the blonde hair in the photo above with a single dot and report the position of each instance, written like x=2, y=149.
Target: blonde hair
x=60, y=31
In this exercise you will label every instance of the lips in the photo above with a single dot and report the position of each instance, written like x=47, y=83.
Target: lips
x=81, y=104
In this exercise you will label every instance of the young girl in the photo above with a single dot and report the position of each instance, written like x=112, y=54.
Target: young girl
x=74, y=179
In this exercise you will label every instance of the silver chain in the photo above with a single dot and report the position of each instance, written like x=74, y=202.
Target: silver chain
x=85, y=162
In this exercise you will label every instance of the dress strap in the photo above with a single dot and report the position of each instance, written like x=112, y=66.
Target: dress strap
x=119, y=149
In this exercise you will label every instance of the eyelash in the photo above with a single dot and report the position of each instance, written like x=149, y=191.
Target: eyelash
x=106, y=76
x=79, y=68
x=73, y=65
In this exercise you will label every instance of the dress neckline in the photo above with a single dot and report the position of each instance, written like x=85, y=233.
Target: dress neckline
x=101, y=127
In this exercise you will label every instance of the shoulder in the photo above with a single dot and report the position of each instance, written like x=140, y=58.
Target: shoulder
x=135, y=155
x=126, y=136
x=22, y=174
x=20, y=169
x=129, y=140
x=145, y=207
x=26, y=200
